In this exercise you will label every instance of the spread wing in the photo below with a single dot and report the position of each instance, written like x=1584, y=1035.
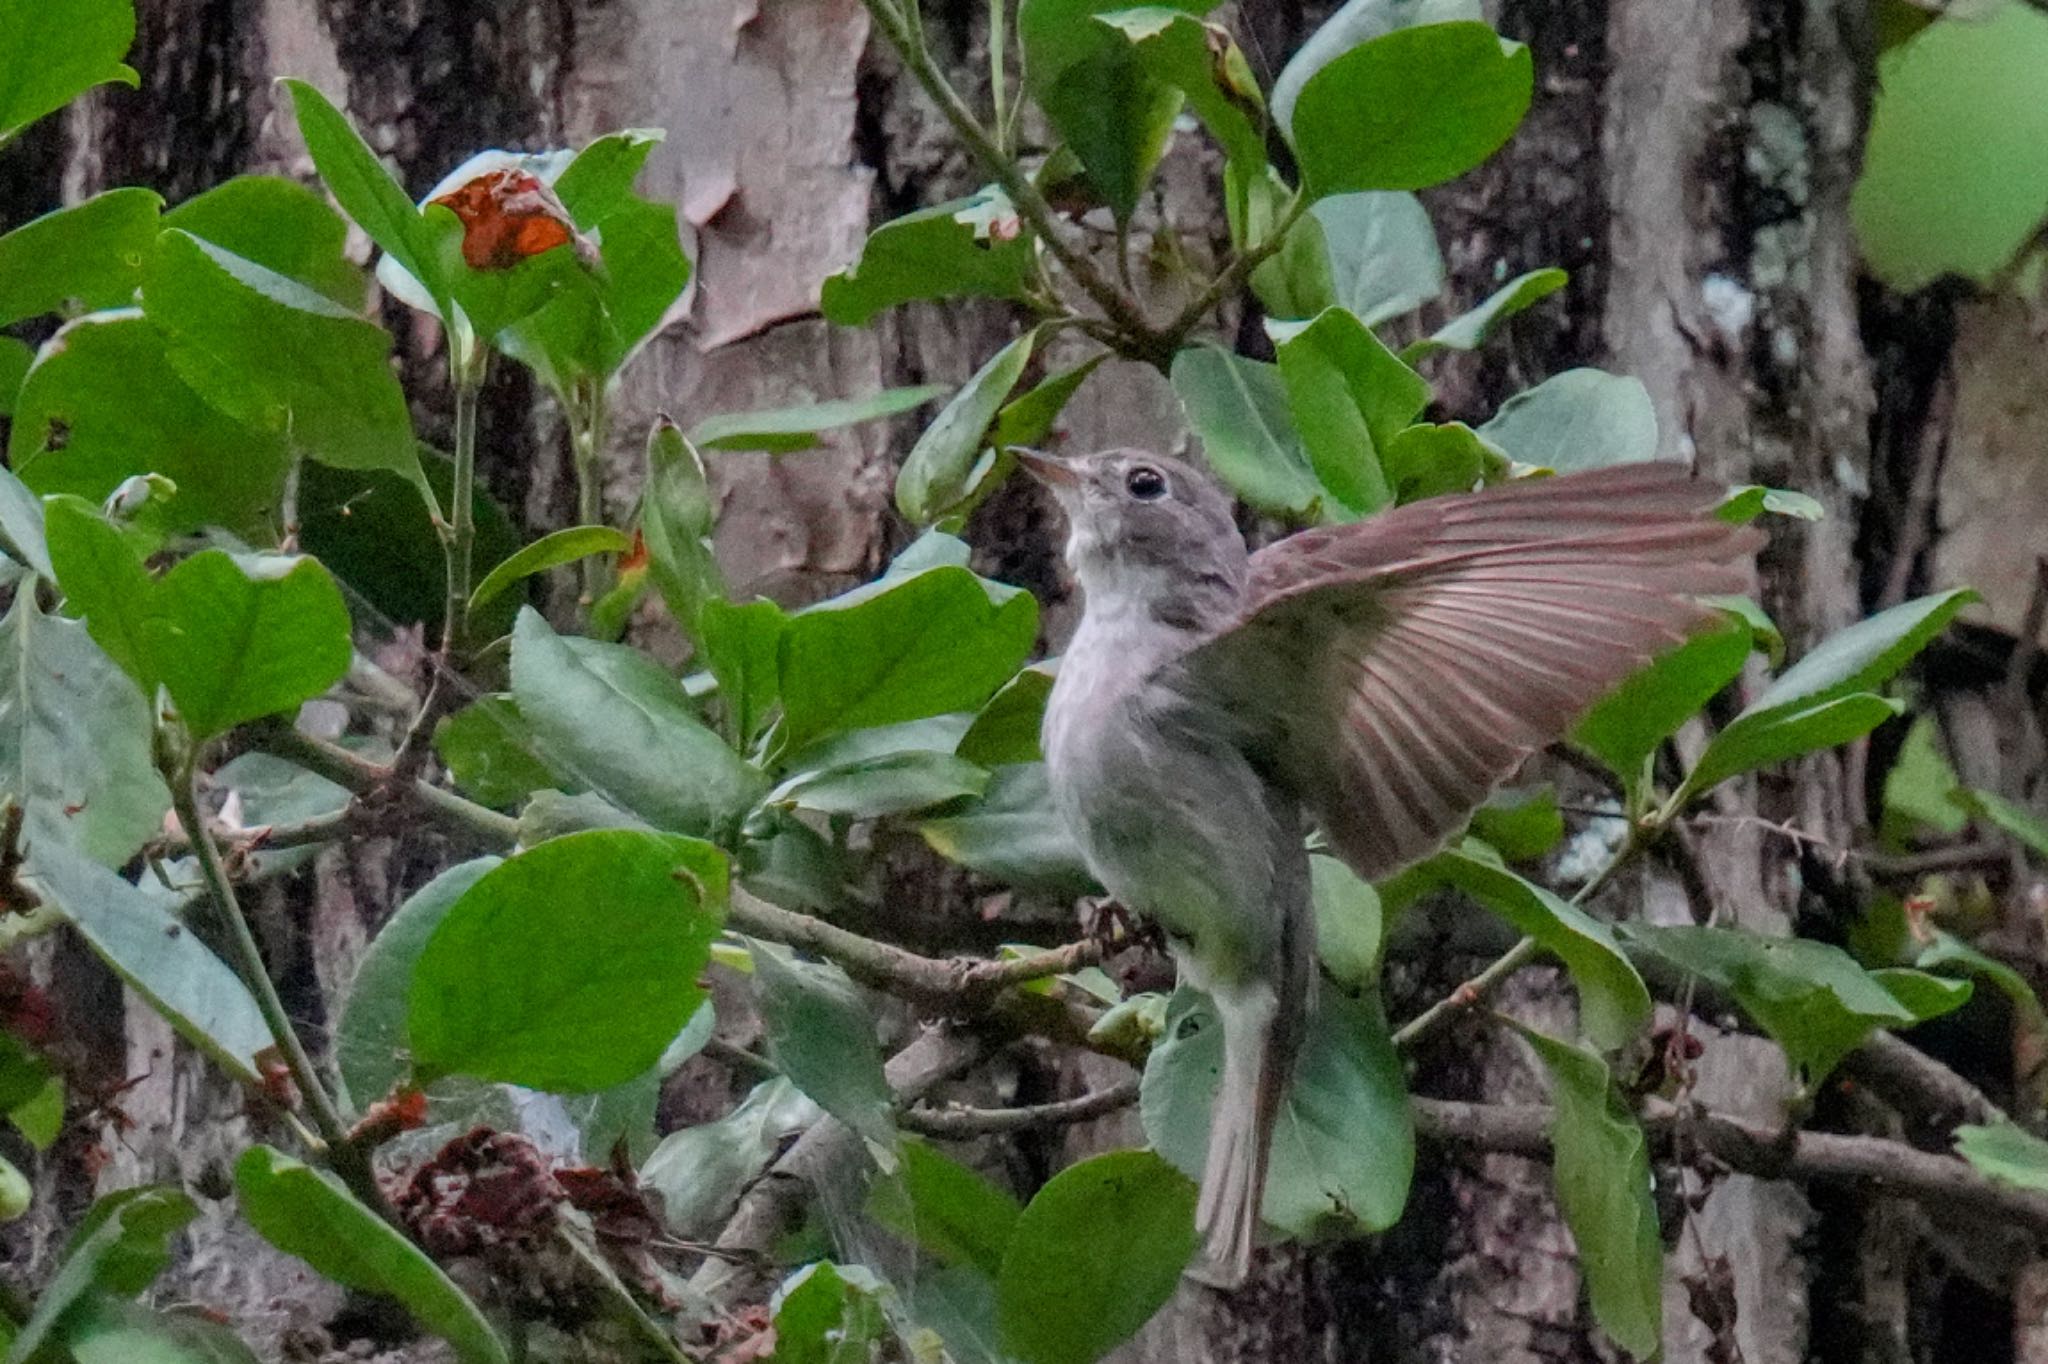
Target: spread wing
x=1393, y=672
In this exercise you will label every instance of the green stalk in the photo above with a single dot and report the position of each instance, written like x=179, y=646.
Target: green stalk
x=467, y=375
x=588, y=420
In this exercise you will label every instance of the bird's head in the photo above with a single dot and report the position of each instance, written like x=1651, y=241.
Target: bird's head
x=1145, y=525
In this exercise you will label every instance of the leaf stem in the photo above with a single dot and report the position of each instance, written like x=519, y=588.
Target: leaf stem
x=1234, y=274
x=347, y=1161
x=588, y=419
x=467, y=375
x=1136, y=336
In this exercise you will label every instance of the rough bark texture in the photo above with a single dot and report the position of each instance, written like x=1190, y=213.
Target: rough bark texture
x=1688, y=163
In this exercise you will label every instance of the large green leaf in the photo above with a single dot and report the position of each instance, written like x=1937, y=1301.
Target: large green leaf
x=571, y=966
x=103, y=404
x=700, y=1172
x=945, y=1208
x=80, y=258
x=911, y=645
x=1827, y=697
x=1382, y=252
x=1626, y=728
x=282, y=226
x=307, y=1213
x=609, y=718
x=1349, y=395
x=1955, y=170
x=1811, y=997
x=1014, y=835
x=1468, y=330
x=937, y=475
x=786, y=429
x=1344, y=1143
x=163, y=962
x=1580, y=419
x=1604, y=1189
x=821, y=1032
x=276, y=355
x=74, y=739
x=934, y=252
x=2007, y=1153
x=742, y=642
x=120, y=1247
x=1205, y=65
x=1430, y=459
x=1031, y=417
x=830, y=1314
x=1409, y=109
x=552, y=550
x=1006, y=730
x=1297, y=281
x=892, y=784
x=232, y=639
x=1093, y=1256
x=1239, y=409
x=490, y=751
x=110, y=1331
x=1356, y=22
x=51, y=50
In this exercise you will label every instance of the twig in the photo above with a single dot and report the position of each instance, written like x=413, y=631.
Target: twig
x=1234, y=274
x=1137, y=336
x=371, y=781
x=1944, y=1183
x=650, y=1330
x=957, y=1123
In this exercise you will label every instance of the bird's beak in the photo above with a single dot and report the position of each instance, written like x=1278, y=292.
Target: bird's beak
x=1054, y=473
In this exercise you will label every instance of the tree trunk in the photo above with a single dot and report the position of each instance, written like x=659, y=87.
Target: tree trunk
x=1689, y=164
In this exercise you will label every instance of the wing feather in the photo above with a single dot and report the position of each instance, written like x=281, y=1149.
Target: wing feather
x=1395, y=671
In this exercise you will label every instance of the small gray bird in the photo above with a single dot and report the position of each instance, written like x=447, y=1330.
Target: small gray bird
x=1378, y=679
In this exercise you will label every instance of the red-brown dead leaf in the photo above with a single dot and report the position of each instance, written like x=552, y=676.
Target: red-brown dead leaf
x=508, y=216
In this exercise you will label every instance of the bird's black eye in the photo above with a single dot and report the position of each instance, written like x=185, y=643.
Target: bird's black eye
x=1145, y=483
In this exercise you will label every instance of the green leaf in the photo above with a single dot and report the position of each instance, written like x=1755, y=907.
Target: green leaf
x=103, y=404
x=1350, y=929
x=550, y=551
x=231, y=639
x=821, y=1033
x=371, y=1048
x=1174, y=48
x=935, y=476
x=120, y=1247
x=52, y=50
x=1014, y=835
x=1624, y=729
x=598, y=181
x=608, y=717
x=1922, y=789
x=742, y=642
x=1382, y=252
x=307, y=1213
x=15, y=359
x=1006, y=729
x=1614, y=1004
x=1409, y=109
x=74, y=739
x=676, y=519
x=367, y=192
x=1825, y=698
x=1239, y=409
x=80, y=258
x=1357, y=22
x=1094, y=1255
x=2007, y=1153
x=1955, y=169
x=109, y=1331
x=1344, y=1143
x=787, y=429
x=1297, y=281
x=1097, y=94
x=1602, y=1170
x=700, y=1172
x=280, y=225
x=1949, y=950
x=1428, y=460
x=1521, y=825
x=830, y=1314
x=1349, y=395
x=149, y=949
x=21, y=525
x=374, y=532
x=1749, y=501
x=512, y=986
x=1470, y=330
x=2022, y=824
x=1811, y=997
x=945, y=1208
x=894, y=784
x=273, y=354
x=1030, y=419
x=16, y=1197
x=489, y=750
x=933, y=253
x=1580, y=419
x=908, y=646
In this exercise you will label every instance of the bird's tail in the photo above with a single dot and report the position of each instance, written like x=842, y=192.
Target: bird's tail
x=1263, y=1022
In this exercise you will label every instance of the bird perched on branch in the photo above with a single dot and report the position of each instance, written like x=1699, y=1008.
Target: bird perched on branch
x=1377, y=679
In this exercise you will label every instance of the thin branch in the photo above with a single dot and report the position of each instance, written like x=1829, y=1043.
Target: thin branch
x=372, y=781
x=1235, y=274
x=957, y=1123
x=1943, y=1183
x=1138, y=337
